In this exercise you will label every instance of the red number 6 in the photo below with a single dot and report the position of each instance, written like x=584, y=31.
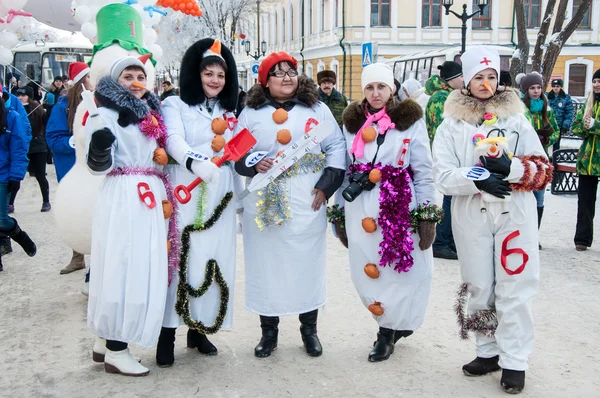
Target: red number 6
x=146, y=195
x=507, y=252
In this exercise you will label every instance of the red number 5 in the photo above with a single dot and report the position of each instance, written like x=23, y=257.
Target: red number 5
x=507, y=252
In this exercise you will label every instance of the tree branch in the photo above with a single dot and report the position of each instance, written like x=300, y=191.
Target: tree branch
x=538, y=50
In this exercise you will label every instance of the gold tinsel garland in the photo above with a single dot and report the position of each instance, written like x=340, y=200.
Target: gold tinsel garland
x=212, y=273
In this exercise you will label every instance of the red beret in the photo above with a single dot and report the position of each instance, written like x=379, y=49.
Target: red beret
x=272, y=60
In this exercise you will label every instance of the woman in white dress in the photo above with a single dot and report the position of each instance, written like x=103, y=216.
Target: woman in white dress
x=200, y=122
x=284, y=224
x=390, y=188
x=134, y=239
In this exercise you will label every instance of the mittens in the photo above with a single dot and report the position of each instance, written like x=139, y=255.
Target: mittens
x=341, y=233
x=102, y=139
x=426, y=234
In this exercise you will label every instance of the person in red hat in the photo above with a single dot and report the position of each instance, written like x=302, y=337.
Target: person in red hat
x=59, y=135
x=134, y=240
x=284, y=224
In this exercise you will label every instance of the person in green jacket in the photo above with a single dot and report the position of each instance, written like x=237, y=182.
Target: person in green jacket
x=587, y=126
x=542, y=118
x=335, y=101
x=438, y=88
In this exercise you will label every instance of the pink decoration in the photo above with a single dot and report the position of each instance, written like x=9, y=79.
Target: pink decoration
x=383, y=121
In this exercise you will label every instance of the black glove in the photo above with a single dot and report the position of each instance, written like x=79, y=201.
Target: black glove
x=499, y=165
x=102, y=139
x=564, y=131
x=545, y=131
x=13, y=186
x=494, y=185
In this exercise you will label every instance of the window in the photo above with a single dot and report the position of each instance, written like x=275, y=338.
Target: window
x=292, y=22
x=322, y=22
x=432, y=13
x=482, y=21
x=585, y=22
x=577, y=75
x=283, y=27
x=310, y=17
x=335, y=69
x=336, y=14
x=380, y=12
x=533, y=11
x=309, y=70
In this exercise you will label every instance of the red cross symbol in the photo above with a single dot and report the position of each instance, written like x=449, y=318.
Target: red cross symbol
x=485, y=61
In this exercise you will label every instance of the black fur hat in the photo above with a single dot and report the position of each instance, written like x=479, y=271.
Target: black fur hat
x=190, y=83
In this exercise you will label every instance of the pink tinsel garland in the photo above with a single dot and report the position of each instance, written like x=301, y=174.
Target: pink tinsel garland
x=173, y=232
x=394, y=218
x=154, y=130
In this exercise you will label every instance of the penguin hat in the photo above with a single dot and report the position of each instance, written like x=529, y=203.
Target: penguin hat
x=201, y=54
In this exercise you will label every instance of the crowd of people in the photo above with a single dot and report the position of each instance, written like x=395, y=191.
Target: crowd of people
x=483, y=145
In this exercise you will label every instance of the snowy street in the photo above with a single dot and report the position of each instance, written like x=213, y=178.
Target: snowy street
x=45, y=345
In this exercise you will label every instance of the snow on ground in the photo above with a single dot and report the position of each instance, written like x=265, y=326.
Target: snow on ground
x=45, y=346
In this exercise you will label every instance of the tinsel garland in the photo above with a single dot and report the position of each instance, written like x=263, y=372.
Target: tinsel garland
x=394, y=215
x=426, y=212
x=202, y=198
x=153, y=127
x=212, y=273
x=336, y=215
x=273, y=207
x=172, y=235
x=531, y=181
x=483, y=321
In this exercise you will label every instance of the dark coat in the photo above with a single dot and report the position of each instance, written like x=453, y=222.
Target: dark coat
x=562, y=105
x=336, y=103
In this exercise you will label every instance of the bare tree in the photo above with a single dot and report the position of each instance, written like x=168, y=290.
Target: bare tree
x=547, y=50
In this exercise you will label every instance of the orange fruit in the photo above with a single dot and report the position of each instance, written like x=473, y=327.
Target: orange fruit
x=369, y=134
x=375, y=176
x=371, y=271
x=280, y=116
x=218, y=143
x=219, y=125
x=369, y=224
x=376, y=309
x=167, y=208
x=284, y=136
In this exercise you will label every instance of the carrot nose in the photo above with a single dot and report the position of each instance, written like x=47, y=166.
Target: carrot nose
x=489, y=87
x=138, y=85
x=493, y=149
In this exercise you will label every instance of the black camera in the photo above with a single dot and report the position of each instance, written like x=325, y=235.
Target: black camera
x=359, y=182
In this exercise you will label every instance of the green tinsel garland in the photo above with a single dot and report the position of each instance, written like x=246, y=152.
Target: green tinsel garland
x=213, y=272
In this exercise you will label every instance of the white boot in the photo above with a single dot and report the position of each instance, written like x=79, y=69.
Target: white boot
x=124, y=363
x=99, y=350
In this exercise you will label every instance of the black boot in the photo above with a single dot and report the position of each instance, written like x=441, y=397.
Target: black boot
x=540, y=211
x=5, y=246
x=512, y=381
x=398, y=334
x=481, y=366
x=198, y=340
x=384, y=346
x=165, y=355
x=268, y=341
x=308, y=330
x=21, y=237
x=1, y=266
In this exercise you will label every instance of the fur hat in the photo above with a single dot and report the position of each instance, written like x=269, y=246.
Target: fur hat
x=190, y=83
x=450, y=70
x=477, y=59
x=272, y=60
x=558, y=82
x=28, y=91
x=377, y=72
x=530, y=79
x=326, y=76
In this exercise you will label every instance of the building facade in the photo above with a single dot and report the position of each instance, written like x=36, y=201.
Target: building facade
x=328, y=34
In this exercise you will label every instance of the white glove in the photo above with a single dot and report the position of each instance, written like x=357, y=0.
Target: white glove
x=206, y=170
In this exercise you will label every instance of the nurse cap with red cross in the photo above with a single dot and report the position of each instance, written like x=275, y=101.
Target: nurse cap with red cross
x=476, y=59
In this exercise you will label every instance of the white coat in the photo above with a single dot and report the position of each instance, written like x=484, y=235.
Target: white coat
x=285, y=265
x=484, y=237
x=189, y=129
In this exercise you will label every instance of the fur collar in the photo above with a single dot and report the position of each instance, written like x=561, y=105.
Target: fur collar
x=461, y=106
x=402, y=113
x=306, y=94
x=561, y=94
x=110, y=94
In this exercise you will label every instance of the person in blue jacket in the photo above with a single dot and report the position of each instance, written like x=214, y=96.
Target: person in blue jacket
x=11, y=102
x=59, y=135
x=14, y=145
x=562, y=105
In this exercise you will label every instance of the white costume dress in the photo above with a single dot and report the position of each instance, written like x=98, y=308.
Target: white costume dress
x=190, y=129
x=497, y=242
x=403, y=295
x=128, y=283
x=285, y=264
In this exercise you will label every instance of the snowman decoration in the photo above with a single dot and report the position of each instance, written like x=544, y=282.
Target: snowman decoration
x=491, y=147
x=118, y=31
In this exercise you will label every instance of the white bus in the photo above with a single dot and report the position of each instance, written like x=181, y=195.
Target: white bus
x=42, y=61
x=422, y=65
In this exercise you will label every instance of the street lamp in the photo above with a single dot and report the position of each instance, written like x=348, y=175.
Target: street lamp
x=464, y=17
x=257, y=55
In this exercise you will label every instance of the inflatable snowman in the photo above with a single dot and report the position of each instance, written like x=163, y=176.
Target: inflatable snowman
x=119, y=34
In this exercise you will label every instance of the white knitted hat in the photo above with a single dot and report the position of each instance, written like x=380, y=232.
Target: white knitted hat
x=377, y=73
x=123, y=63
x=476, y=59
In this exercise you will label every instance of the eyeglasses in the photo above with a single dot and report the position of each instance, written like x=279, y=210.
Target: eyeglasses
x=281, y=73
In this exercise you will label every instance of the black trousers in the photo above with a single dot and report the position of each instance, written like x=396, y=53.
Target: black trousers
x=586, y=209
x=37, y=163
